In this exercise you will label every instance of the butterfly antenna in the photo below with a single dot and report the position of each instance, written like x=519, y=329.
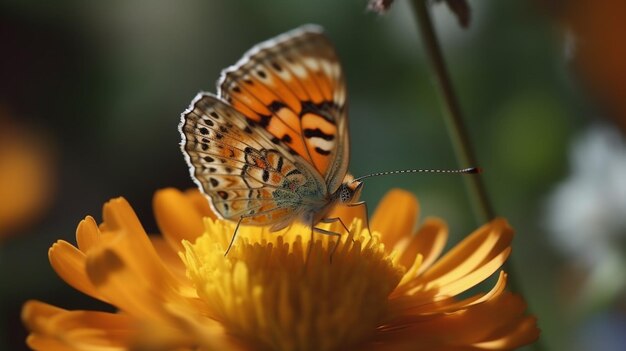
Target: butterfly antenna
x=470, y=170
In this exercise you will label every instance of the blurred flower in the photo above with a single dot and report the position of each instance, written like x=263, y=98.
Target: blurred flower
x=266, y=295
x=603, y=332
x=595, y=42
x=586, y=213
x=379, y=6
x=460, y=8
x=26, y=175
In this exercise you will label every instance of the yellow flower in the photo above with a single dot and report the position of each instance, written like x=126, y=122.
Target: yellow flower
x=385, y=291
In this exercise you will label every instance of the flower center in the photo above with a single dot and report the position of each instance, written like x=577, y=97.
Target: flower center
x=267, y=292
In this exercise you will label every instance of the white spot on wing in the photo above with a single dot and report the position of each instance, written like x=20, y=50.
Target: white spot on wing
x=311, y=63
x=321, y=143
x=299, y=70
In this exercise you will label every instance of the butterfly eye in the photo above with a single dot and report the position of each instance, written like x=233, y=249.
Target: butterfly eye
x=345, y=194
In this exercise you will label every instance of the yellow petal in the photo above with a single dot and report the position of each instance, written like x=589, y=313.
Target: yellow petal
x=396, y=216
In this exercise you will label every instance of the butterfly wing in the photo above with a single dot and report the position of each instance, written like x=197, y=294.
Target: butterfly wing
x=238, y=165
x=293, y=87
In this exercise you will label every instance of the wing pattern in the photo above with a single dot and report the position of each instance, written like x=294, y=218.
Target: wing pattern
x=274, y=142
x=293, y=86
x=236, y=163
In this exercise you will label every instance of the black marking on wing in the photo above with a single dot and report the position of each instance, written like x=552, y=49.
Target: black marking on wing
x=318, y=133
x=321, y=151
x=276, y=106
x=323, y=109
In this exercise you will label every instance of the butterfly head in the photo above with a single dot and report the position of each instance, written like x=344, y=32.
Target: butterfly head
x=350, y=190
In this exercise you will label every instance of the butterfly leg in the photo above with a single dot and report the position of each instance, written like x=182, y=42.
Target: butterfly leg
x=367, y=221
x=241, y=218
x=336, y=219
x=232, y=240
x=328, y=232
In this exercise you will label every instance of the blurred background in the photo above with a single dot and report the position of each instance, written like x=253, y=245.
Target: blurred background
x=91, y=94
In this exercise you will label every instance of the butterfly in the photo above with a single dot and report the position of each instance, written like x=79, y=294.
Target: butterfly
x=272, y=147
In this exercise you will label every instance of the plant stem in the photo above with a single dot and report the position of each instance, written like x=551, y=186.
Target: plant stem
x=483, y=210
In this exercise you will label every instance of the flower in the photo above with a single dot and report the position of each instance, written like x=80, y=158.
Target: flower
x=585, y=216
x=26, y=174
x=594, y=42
x=384, y=291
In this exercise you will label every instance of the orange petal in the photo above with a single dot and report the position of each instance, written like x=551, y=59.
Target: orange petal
x=348, y=213
x=127, y=270
x=69, y=263
x=142, y=295
x=429, y=241
x=481, y=246
x=87, y=234
x=204, y=332
x=169, y=256
x=178, y=217
x=45, y=343
x=396, y=216
x=523, y=333
x=471, y=279
x=200, y=202
x=132, y=242
x=34, y=313
x=53, y=328
x=467, y=264
x=502, y=316
x=412, y=305
x=117, y=214
x=125, y=287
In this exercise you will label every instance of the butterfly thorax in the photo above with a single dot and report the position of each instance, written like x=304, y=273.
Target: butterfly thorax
x=347, y=193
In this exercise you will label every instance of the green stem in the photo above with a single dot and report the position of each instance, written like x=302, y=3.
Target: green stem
x=452, y=115
x=456, y=128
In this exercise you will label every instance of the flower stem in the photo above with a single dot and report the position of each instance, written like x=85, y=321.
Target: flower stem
x=483, y=210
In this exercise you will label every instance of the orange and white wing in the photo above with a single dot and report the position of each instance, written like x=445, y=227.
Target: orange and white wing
x=293, y=87
x=237, y=164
